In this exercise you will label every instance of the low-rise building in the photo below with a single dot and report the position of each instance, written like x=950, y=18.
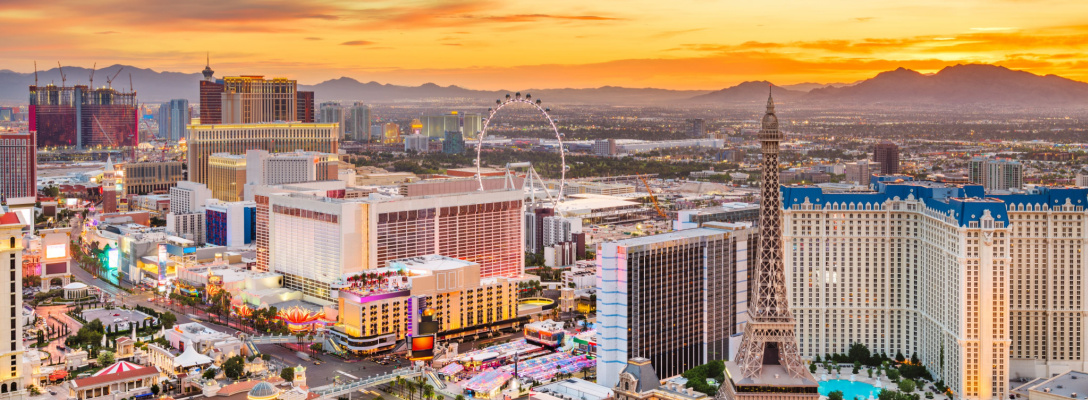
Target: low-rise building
x=118, y=381
x=1066, y=386
x=582, y=275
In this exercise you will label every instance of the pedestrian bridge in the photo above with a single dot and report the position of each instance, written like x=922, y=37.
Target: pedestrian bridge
x=332, y=391
x=272, y=339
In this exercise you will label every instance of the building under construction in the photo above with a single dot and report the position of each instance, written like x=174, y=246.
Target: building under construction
x=79, y=117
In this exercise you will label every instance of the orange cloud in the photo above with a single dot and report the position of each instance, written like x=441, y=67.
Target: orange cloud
x=493, y=44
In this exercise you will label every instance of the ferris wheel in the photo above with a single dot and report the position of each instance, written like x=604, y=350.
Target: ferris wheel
x=528, y=99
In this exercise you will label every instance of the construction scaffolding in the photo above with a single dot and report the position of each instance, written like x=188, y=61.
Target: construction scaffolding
x=81, y=117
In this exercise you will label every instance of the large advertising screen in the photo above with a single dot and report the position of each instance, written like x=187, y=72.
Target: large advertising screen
x=56, y=250
x=422, y=348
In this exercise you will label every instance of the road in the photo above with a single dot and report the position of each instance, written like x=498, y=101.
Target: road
x=318, y=374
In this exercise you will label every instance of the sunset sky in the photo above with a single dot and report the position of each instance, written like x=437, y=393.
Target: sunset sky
x=485, y=44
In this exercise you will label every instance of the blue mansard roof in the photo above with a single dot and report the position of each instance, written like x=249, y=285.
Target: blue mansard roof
x=967, y=203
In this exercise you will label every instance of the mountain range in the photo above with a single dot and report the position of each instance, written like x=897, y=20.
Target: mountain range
x=972, y=84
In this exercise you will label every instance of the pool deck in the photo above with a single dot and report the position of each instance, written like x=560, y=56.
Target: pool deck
x=882, y=382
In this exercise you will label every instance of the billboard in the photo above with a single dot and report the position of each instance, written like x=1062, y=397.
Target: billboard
x=56, y=250
x=422, y=348
x=112, y=257
x=56, y=268
x=162, y=267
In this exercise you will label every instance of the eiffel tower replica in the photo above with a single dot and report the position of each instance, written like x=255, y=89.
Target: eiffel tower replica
x=768, y=364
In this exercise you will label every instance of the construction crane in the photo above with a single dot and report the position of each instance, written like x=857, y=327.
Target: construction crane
x=653, y=198
x=109, y=81
x=92, y=74
x=35, y=73
x=63, y=79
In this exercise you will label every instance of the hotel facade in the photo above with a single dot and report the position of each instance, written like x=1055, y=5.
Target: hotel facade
x=205, y=140
x=313, y=235
x=674, y=298
x=449, y=292
x=982, y=287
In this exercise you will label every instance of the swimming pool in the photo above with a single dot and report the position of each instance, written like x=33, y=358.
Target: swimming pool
x=850, y=390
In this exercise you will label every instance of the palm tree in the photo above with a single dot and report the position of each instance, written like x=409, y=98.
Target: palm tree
x=411, y=390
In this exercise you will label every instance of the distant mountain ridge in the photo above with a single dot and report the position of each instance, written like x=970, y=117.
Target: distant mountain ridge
x=748, y=92
x=971, y=84
x=958, y=85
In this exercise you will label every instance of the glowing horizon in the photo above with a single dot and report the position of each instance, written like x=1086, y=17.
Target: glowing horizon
x=491, y=45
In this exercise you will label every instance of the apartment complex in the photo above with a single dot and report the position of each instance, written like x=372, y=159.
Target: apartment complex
x=173, y=116
x=313, y=235
x=995, y=174
x=604, y=147
x=359, y=121
x=886, y=158
x=18, y=165
x=205, y=140
x=449, y=291
x=674, y=298
x=858, y=172
x=151, y=177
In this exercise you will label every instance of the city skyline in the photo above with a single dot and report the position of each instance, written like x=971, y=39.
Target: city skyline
x=491, y=45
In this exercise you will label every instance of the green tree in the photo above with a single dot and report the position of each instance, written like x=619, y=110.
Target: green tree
x=168, y=319
x=835, y=395
x=812, y=368
x=233, y=367
x=155, y=389
x=859, y=353
x=105, y=358
x=906, y=386
x=914, y=359
x=857, y=367
x=209, y=374
x=893, y=374
x=288, y=374
x=899, y=356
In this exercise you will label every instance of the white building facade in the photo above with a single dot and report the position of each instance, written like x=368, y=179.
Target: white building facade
x=991, y=283
x=675, y=298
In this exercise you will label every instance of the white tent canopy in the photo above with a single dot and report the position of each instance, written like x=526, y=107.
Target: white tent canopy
x=190, y=358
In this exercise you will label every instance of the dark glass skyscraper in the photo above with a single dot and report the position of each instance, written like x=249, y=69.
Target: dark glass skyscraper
x=886, y=157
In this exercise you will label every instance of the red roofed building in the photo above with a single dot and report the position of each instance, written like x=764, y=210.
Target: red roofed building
x=118, y=381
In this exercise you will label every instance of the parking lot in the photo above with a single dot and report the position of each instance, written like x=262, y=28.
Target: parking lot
x=115, y=317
